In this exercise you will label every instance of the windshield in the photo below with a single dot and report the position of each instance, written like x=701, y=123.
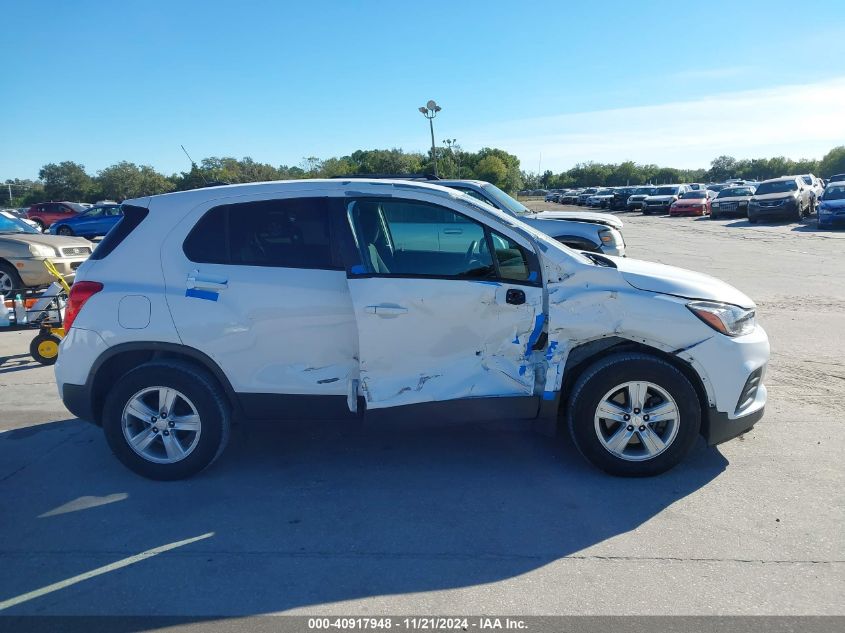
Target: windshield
x=808, y=179
x=665, y=191
x=604, y=192
x=694, y=194
x=776, y=186
x=644, y=191
x=836, y=192
x=504, y=200
x=79, y=208
x=736, y=191
x=10, y=224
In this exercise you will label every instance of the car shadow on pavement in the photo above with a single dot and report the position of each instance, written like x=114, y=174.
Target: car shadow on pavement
x=17, y=362
x=304, y=515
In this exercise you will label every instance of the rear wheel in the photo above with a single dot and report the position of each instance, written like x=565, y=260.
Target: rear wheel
x=634, y=415
x=166, y=420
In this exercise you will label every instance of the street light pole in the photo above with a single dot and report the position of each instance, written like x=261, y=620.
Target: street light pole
x=429, y=111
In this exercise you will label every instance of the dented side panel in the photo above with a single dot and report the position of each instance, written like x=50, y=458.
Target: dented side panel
x=425, y=340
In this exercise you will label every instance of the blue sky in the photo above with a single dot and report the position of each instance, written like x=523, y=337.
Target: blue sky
x=663, y=82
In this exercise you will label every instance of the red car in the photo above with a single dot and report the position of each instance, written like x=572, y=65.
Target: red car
x=692, y=203
x=45, y=213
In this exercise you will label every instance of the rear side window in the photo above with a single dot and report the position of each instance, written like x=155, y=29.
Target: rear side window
x=291, y=233
x=132, y=217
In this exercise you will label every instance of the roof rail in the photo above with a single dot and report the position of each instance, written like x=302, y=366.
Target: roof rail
x=391, y=176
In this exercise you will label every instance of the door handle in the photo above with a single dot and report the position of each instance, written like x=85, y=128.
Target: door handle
x=206, y=282
x=453, y=231
x=386, y=311
x=515, y=296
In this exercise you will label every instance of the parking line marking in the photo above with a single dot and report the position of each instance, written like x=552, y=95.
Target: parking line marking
x=11, y=602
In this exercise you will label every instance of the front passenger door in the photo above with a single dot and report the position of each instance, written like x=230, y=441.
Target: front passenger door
x=441, y=322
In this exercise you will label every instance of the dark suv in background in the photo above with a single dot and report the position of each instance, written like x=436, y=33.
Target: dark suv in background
x=45, y=213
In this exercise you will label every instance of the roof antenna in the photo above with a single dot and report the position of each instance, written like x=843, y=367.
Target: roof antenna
x=194, y=165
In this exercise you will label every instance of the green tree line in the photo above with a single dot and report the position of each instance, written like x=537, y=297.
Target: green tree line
x=721, y=168
x=69, y=180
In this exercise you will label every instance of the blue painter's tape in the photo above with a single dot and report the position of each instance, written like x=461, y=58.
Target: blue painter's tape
x=535, y=334
x=196, y=293
x=489, y=283
x=522, y=370
x=551, y=351
x=532, y=276
x=548, y=395
x=358, y=269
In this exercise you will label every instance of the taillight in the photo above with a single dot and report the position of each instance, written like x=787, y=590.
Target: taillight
x=80, y=292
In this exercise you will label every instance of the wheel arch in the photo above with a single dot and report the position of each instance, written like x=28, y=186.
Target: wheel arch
x=581, y=356
x=118, y=360
x=578, y=242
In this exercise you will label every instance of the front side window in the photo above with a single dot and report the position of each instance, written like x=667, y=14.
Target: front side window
x=396, y=237
x=290, y=233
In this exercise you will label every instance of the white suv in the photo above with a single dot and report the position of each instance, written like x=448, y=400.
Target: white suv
x=347, y=298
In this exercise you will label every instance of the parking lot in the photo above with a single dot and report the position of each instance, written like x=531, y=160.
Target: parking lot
x=335, y=518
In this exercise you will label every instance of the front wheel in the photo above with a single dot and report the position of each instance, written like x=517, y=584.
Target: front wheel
x=634, y=415
x=166, y=420
x=65, y=230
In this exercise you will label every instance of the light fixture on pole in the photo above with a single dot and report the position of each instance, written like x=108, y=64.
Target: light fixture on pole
x=429, y=111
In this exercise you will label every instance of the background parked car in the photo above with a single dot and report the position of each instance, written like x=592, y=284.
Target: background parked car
x=663, y=198
x=619, y=201
x=785, y=198
x=731, y=201
x=635, y=200
x=94, y=222
x=45, y=213
x=815, y=185
x=696, y=202
x=584, y=195
x=580, y=230
x=600, y=199
x=23, y=250
x=570, y=197
x=832, y=205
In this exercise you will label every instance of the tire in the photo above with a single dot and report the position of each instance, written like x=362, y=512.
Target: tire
x=714, y=215
x=198, y=397
x=666, y=386
x=44, y=348
x=10, y=280
x=65, y=230
x=752, y=220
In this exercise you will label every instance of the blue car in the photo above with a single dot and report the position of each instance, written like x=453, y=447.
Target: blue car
x=96, y=221
x=832, y=206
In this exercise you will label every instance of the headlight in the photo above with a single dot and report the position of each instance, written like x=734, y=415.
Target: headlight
x=715, y=205
x=726, y=318
x=609, y=236
x=41, y=250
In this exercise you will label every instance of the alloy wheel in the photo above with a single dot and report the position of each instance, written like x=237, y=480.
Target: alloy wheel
x=161, y=425
x=637, y=420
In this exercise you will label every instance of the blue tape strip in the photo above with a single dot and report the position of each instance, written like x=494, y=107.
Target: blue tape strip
x=532, y=276
x=489, y=283
x=548, y=395
x=196, y=293
x=551, y=351
x=358, y=269
x=535, y=334
x=522, y=370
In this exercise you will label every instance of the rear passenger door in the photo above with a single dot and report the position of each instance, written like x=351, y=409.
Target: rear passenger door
x=441, y=321
x=259, y=287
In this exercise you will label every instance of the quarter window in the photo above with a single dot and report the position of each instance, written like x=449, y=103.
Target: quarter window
x=291, y=233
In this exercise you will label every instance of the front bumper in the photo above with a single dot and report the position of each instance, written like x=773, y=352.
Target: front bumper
x=831, y=220
x=782, y=210
x=33, y=272
x=717, y=427
x=725, y=365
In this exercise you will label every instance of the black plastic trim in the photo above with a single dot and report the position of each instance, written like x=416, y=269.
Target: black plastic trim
x=717, y=427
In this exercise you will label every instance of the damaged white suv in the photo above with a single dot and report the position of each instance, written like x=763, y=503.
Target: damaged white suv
x=365, y=298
